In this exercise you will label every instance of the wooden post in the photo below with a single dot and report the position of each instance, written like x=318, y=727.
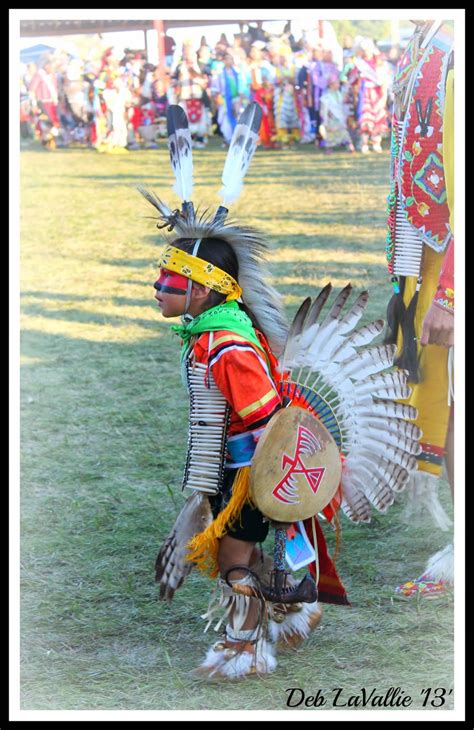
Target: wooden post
x=160, y=32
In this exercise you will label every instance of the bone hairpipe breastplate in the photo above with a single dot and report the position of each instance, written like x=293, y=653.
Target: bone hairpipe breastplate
x=408, y=247
x=208, y=423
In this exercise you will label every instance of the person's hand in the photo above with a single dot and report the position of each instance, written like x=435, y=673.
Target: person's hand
x=438, y=327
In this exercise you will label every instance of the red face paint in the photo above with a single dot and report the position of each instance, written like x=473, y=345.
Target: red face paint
x=171, y=283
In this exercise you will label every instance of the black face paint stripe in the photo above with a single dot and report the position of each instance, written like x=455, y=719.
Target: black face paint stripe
x=168, y=289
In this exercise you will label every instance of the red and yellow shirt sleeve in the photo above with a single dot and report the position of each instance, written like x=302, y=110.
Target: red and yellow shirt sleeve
x=444, y=296
x=243, y=374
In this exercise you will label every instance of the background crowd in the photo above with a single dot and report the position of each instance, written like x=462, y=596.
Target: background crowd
x=312, y=90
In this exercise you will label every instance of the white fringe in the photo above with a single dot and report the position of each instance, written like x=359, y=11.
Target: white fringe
x=440, y=566
x=224, y=601
x=422, y=496
x=241, y=664
x=294, y=623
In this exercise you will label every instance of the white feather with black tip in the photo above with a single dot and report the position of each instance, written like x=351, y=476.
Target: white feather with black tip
x=241, y=150
x=180, y=148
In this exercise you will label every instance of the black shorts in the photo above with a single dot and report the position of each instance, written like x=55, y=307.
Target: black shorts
x=250, y=525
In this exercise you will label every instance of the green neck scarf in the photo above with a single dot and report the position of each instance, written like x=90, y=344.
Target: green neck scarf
x=226, y=316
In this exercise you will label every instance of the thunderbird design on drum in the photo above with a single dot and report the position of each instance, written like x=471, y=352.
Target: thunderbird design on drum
x=287, y=489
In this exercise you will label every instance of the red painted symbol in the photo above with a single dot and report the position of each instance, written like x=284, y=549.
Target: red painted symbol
x=286, y=490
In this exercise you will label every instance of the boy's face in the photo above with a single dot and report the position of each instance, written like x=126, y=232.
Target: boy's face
x=170, y=293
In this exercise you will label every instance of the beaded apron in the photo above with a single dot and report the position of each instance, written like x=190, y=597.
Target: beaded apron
x=417, y=208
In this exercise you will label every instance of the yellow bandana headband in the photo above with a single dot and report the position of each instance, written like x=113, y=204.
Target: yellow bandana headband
x=197, y=269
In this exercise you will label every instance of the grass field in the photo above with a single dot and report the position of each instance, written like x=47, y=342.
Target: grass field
x=103, y=438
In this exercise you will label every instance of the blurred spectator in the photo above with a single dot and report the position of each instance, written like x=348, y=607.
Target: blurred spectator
x=245, y=37
x=222, y=44
x=333, y=127
x=256, y=32
x=287, y=126
x=204, y=57
x=369, y=78
x=43, y=92
x=305, y=95
x=350, y=92
x=189, y=84
x=330, y=69
x=238, y=52
x=261, y=85
x=319, y=81
x=170, y=46
x=118, y=99
x=26, y=116
x=320, y=33
x=204, y=45
x=116, y=103
x=227, y=90
x=290, y=38
x=347, y=48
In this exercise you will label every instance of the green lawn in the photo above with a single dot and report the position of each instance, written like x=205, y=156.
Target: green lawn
x=103, y=439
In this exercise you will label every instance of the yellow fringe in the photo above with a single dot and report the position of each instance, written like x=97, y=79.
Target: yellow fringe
x=204, y=546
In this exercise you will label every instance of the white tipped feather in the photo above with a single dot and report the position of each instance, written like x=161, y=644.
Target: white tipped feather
x=393, y=453
x=310, y=324
x=350, y=320
x=374, y=383
x=354, y=502
x=374, y=488
x=395, y=425
x=362, y=336
x=292, y=344
x=330, y=335
x=317, y=352
x=389, y=409
x=371, y=435
x=304, y=342
x=242, y=148
x=317, y=305
x=379, y=494
x=366, y=362
x=392, y=474
x=337, y=306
